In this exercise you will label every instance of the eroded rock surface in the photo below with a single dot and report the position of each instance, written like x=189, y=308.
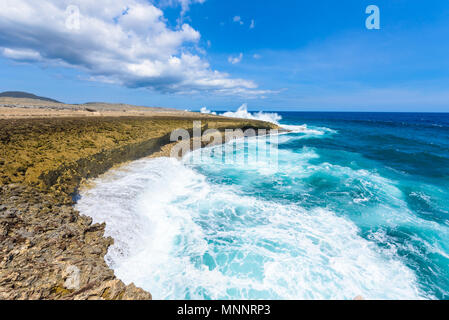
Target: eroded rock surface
x=47, y=249
x=50, y=251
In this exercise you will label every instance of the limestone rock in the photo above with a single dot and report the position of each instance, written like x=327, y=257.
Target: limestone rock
x=54, y=253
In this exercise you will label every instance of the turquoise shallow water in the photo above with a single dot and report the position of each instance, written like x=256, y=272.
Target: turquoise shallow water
x=357, y=205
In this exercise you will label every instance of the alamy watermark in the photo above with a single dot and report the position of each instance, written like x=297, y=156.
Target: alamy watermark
x=72, y=21
x=251, y=146
x=72, y=277
x=372, y=22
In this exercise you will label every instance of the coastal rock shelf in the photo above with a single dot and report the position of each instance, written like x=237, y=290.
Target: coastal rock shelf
x=48, y=250
x=44, y=243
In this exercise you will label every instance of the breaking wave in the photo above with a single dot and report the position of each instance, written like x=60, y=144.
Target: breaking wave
x=216, y=231
x=242, y=112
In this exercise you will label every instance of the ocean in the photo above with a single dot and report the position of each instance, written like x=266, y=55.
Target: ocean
x=357, y=205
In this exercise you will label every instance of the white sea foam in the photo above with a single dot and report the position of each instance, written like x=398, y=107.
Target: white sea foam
x=242, y=112
x=179, y=236
x=207, y=111
x=318, y=131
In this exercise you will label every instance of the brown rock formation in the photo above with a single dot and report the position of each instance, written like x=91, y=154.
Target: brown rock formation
x=47, y=249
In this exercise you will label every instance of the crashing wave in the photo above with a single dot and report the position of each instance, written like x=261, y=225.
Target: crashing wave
x=207, y=111
x=242, y=112
x=191, y=238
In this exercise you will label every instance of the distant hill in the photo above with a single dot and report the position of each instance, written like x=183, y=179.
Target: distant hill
x=26, y=95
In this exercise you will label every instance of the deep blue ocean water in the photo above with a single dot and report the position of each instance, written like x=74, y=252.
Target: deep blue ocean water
x=358, y=204
x=411, y=150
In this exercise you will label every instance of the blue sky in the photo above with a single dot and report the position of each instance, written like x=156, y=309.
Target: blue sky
x=272, y=55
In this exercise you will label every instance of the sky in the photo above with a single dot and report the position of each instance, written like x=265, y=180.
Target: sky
x=272, y=55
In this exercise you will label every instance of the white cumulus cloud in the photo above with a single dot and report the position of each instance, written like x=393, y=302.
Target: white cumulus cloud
x=235, y=60
x=185, y=4
x=252, y=25
x=237, y=19
x=127, y=42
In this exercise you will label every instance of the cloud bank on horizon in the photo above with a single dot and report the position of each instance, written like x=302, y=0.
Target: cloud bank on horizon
x=125, y=42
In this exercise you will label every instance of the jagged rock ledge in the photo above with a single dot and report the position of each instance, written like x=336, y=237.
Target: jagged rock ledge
x=49, y=250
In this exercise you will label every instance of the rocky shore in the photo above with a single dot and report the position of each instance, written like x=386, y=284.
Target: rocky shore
x=48, y=250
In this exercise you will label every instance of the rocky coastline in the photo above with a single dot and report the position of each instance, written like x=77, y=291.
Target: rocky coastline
x=48, y=250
